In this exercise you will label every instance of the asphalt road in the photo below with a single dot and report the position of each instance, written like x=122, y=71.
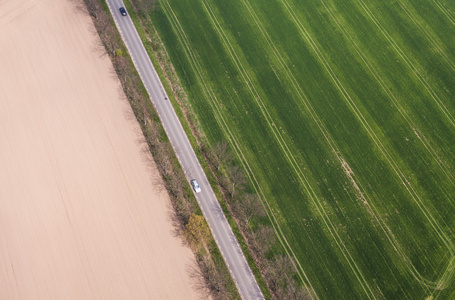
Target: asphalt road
x=227, y=243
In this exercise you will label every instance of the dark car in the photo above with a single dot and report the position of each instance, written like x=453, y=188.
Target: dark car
x=122, y=11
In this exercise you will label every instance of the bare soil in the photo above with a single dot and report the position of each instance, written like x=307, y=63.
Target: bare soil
x=80, y=217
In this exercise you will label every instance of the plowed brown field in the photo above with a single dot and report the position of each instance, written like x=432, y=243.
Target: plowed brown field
x=80, y=217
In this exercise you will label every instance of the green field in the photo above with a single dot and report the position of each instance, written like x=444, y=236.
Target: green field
x=342, y=113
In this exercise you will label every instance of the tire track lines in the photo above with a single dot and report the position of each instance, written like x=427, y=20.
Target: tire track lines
x=445, y=11
x=286, y=151
x=410, y=65
x=354, y=107
x=376, y=214
x=382, y=82
x=256, y=96
x=209, y=94
x=303, y=97
x=435, y=225
x=427, y=35
x=359, y=189
x=335, y=149
x=417, y=199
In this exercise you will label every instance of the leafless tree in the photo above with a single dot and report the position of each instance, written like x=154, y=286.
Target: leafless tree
x=164, y=151
x=292, y=291
x=153, y=134
x=263, y=238
x=147, y=6
x=102, y=23
x=237, y=178
x=123, y=68
x=222, y=154
x=175, y=185
x=198, y=280
x=90, y=7
x=144, y=109
x=208, y=280
x=248, y=206
x=93, y=8
x=279, y=271
x=110, y=41
x=131, y=90
x=184, y=209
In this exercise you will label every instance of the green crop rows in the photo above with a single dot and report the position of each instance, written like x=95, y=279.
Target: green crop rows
x=342, y=113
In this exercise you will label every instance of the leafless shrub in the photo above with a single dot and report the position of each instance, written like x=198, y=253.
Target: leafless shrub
x=93, y=8
x=263, y=239
x=123, y=68
x=279, y=271
x=214, y=281
x=237, y=179
x=146, y=7
x=247, y=206
x=222, y=154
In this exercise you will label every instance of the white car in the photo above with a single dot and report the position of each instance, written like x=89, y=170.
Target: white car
x=195, y=186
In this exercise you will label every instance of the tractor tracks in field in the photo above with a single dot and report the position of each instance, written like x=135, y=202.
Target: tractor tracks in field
x=335, y=150
x=385, y=153
x=445, y=11
x=427, y=145
x=217, y=107
x=281, y=141
x=278, y=137
x=450, y=269
x=382, y=82
x=250, y=84
x=408, y=62
x=404, y=6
